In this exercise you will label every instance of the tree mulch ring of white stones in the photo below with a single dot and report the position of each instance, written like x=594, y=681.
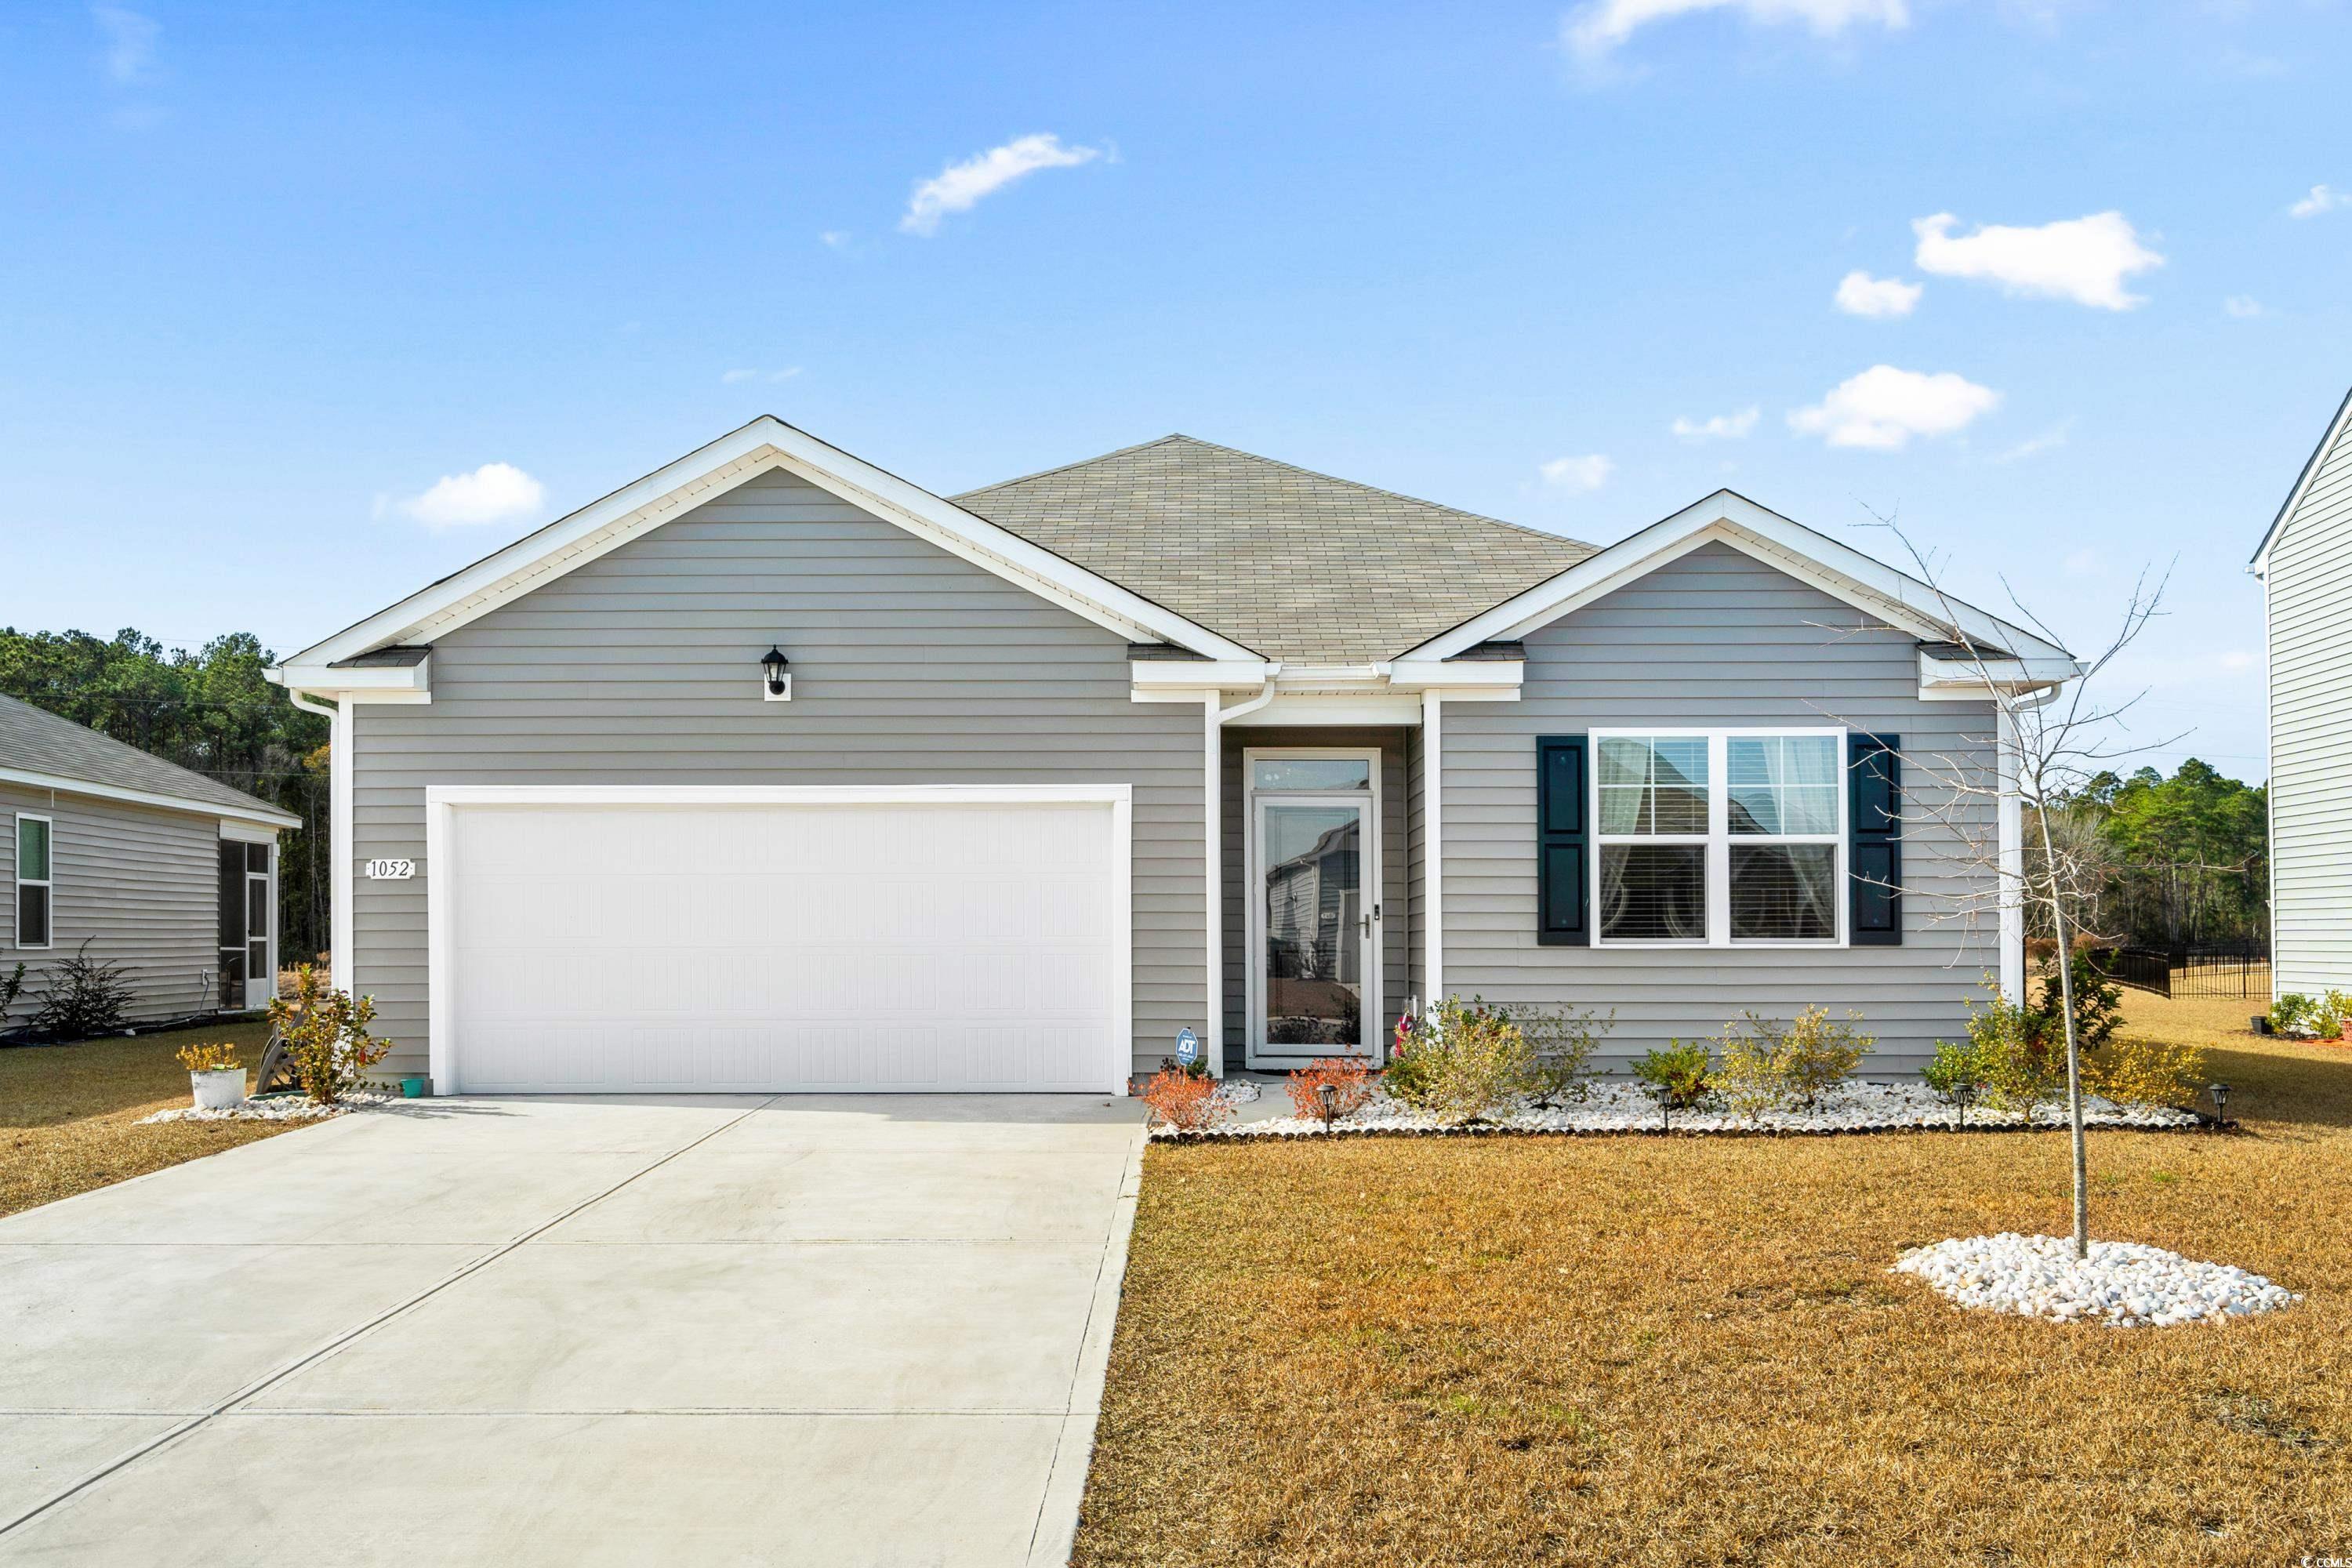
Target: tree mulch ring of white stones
x=1622, y=1107
x=2123, y=1283
x=278, y=1108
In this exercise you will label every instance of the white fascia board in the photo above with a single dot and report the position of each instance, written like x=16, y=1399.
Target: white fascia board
x=1843, y=573
x=362, y=681
x=1940, y=675
x=1193, y=674
x=2260, y=565
x=1423, y=675
x=711, y=471
x=781, y=794
x=63, y=786
x=1356, y=708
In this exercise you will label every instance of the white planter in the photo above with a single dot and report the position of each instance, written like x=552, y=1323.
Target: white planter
x=218, y=1089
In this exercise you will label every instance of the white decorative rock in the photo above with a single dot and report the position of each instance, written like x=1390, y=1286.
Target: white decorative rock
x=2124, y=1283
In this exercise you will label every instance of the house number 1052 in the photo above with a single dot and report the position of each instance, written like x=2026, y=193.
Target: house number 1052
x=391, y=870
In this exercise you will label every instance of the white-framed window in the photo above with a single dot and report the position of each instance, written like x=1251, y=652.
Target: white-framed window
x=35, y=887
x=1718, y=837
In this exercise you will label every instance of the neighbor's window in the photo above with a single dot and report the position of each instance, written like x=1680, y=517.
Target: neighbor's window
x=32, y=882
x=1718, y=837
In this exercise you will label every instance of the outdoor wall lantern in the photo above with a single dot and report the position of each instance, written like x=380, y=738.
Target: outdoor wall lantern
x=776, y=676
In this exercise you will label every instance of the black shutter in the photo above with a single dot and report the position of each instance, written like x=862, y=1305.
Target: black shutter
x=1562, y=839
x=1874, y=839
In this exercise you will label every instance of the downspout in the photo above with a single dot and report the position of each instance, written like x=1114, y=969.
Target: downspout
x=1265, y=695
x=339, y=833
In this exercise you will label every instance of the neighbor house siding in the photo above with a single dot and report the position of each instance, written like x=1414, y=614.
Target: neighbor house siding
x=1716, y=639
x=142, y=886
x=909, y=665
x=1395, y=978
x=2308, y=585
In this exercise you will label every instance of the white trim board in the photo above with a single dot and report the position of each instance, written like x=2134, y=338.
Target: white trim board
x=442, y=801
x=268, y=815
x=1844, y=574
x=712, y=470
x=2260, y=564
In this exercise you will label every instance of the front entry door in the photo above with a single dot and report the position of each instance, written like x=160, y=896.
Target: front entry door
x=1312, y=929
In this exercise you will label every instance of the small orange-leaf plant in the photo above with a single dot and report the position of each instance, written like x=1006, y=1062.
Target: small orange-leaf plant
x=208, y=1058
x=1348, y=1079
x=1185, y=1101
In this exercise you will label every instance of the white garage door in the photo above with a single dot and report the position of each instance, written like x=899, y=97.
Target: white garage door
x=593, y=945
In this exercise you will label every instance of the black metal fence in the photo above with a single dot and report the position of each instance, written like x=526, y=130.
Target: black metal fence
x=2239, y=969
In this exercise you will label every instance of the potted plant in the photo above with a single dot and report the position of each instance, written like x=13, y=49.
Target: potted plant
x=214, y=1076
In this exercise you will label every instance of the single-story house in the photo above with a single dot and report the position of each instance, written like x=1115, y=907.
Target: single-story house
x=2304, y=561
x=168, y=874
x=775, y=771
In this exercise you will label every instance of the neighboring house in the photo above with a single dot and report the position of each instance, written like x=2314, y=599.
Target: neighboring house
x=2305, y=565
x=773, y=771
x=169, y=874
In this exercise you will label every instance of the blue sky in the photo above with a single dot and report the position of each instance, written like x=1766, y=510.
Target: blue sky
x=269, y=276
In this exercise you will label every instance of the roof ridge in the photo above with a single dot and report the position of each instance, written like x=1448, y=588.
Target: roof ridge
x=1080, y=463
x=1292, y=467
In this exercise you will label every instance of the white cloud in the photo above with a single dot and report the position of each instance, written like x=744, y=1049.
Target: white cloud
x=1720, y=428
x=2236, y=658
x=834, y=238
x=959, y=186
x=2083, y=563
x=1577, y=474
x=2084, y=259
x=1883, y=407
x=2323, y=199
x=494, y=492
x=130, y=42
x=737, y=377
x=1594, y=30
x=1860, y=294
x=2244, y=307
x=2033, y=445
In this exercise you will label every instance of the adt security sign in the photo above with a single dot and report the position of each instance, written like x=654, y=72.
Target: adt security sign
x=1188, y=1047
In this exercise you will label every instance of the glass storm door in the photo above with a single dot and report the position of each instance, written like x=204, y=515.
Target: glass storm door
x=1313, y=927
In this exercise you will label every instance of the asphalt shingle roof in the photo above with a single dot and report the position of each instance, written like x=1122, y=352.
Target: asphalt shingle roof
x=1297, y=565
x=37, y=741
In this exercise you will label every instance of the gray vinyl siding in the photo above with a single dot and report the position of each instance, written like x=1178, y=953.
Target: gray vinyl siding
x=2309, y=595
x=909, y=665
x=141, y=885
x=1715, y=638
x=1395, y=979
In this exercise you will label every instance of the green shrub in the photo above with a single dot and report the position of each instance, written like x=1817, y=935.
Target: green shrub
x=2335, y=1011
x=82, y=997
x=2019, y=1060
x=1955, y=1077
x=1769, y=1065
x=1678, y=1077
x=2146, y=1072
x=1460, y=1062
x=2295, y=1015
x=1561, y=1041
x=326, y=1036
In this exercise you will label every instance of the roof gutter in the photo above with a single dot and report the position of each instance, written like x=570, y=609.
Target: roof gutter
x=1265, y=695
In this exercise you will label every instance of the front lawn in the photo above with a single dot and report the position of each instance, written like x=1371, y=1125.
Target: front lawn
x=68, y=1114
x=1650, y=1350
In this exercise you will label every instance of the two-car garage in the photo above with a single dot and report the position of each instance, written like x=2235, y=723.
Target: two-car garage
x=682, y=939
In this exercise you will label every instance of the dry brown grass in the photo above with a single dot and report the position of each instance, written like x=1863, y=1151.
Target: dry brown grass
x=68, y=1114
x=1651, y=1351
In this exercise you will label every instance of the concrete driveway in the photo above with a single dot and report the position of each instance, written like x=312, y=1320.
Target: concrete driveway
x=674, y=1329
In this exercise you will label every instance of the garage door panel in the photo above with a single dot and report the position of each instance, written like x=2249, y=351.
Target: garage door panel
x=817, y=946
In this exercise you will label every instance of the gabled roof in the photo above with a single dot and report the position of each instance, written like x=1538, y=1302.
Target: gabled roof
x=40, y=749
x=2336, y=428
x=1298, y=565
x=1869, y=584
x=766, y=442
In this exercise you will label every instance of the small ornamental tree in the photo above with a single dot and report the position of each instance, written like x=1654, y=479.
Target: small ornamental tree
x=326, y=1036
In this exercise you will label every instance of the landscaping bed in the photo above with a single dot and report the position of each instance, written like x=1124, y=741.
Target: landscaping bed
x=71, y=1116
x=1562, y=1350
x=1625, y=1108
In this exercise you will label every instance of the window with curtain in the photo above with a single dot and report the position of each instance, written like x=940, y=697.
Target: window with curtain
x=1718, y=837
